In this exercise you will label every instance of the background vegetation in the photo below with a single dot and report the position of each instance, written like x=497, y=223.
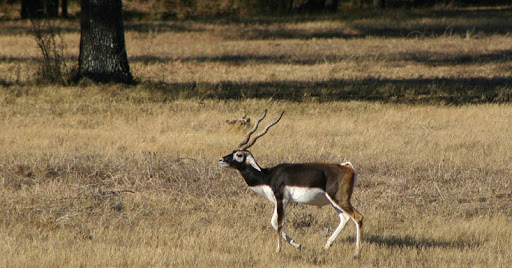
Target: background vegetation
x=110, y=175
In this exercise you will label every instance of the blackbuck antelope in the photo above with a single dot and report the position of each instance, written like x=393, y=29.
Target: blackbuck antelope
x=316, y=184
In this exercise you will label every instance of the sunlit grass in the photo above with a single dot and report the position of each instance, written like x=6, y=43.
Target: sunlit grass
x=108, y=175
x=140, y=176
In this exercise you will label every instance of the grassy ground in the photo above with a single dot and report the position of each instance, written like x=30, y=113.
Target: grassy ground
x=106, y=175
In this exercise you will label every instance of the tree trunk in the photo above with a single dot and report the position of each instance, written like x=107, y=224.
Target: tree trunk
x=379, y=4
x=331, y=5
x=52, y=8
x=32, y=9
x=64, y=8
x=102, y=46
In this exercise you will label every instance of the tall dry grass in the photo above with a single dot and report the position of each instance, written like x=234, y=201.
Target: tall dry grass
x=106, y=177
x=109, y=175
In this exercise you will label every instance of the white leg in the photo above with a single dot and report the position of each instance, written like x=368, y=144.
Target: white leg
x=273, y=221
x=358, y=230
x=288, y=239
x=291, y=241
x=275, y=225
x=343, y=221
x=358, y=239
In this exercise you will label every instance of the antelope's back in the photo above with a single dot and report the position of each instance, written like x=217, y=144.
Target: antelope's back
x=312, y=175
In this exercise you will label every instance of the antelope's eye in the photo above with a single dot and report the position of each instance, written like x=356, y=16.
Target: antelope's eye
x=240, y=155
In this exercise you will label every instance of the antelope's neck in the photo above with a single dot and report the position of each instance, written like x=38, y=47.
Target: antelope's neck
x=254, y=177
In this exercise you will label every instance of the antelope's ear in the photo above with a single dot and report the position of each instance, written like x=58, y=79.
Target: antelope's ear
x=252, y=162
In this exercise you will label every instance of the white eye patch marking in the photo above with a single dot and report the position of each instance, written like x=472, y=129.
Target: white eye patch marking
x=239, y=157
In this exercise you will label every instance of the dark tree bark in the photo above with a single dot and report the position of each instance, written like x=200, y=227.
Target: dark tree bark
x=379, y=3
x=102, y=46
x=331, y=5
x=39, y=9
x=52, y=8
x=32, y=9
x=315, y=5
x=64, y=8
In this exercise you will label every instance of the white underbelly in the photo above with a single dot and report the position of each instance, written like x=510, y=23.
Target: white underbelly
x=265, y=191
x=303, y=195
x=295, y=194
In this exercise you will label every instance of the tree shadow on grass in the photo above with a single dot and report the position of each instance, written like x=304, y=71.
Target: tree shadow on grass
x=416, y=90
x=353, y=24
x=424, y=57
x=5, y=83
x=418, y=243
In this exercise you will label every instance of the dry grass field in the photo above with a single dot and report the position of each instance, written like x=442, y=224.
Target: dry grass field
x=127, y=176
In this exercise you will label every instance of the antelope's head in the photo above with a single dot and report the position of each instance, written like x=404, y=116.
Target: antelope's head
x=241, y=157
